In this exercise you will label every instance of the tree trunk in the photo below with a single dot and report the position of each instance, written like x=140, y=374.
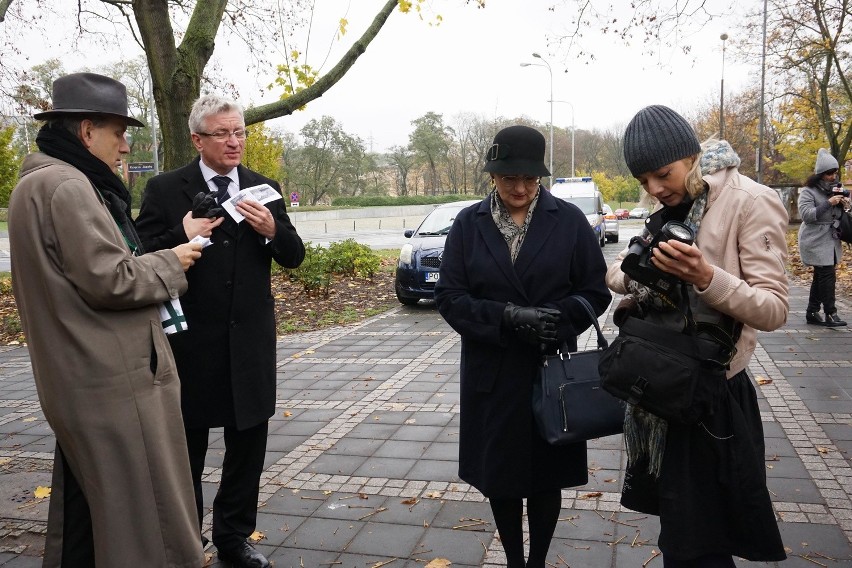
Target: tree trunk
x=176, y=70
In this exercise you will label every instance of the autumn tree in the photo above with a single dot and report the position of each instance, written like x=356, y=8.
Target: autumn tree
x=430, y=142
x=178, y=39
x=10, y=163
x=402, y=159
x=322, y=168
x=809, y=60
x=264, y=151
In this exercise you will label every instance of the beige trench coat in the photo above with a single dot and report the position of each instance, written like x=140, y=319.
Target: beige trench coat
x=89, y=310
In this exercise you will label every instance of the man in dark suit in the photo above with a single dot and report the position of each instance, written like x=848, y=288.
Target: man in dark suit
x=226, y=359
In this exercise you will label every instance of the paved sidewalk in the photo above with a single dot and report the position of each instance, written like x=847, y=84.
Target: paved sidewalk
x=361, y=468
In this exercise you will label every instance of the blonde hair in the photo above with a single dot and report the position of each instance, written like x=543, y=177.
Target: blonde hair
x=694, y=182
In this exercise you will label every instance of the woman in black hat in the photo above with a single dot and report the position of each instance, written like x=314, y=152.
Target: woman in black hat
x=510, y=268
x=706, y=481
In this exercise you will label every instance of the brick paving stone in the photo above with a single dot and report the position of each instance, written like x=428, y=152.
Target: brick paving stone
x=372, y=410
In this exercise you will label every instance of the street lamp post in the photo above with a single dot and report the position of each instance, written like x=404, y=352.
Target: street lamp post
x=546, y=64
x=573, y=171
x=723, y=37
x=759, y=165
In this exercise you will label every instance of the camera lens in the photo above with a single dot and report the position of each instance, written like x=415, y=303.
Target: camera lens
x=677, y=231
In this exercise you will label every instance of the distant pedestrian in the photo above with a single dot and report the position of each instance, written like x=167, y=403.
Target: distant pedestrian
x=707, y=480
x=512, y=265
x=106, y=379
x=821, y=202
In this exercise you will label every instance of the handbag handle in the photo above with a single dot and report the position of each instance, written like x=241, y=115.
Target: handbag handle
x=602, y=342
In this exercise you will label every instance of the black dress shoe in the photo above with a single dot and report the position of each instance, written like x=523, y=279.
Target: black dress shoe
x=244, y=556
x=814, y=318
x=833, y=320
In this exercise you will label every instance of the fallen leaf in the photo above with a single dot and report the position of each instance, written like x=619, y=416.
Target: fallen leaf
x=30, y=419
x=823, y=450
x=412, y=501
x=439, y=563
x=287, y=414
x=41, y=492
x=610, y=480
x=257, y=536
x=434, y=495
x=592, y=495
x=763, y=381
x=308, y=351
x=296, y=355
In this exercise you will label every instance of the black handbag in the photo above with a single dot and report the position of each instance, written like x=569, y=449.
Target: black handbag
x=677, y=375
x=844, y=231
x=569, y=404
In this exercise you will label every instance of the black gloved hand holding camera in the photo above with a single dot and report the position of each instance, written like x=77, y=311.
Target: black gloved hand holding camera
x=536, y=326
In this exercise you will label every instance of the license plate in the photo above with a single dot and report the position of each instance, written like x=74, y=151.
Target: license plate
x=432, y=276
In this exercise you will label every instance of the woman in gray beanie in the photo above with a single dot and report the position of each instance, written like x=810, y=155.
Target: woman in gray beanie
x=821, y=203
x=706, y=480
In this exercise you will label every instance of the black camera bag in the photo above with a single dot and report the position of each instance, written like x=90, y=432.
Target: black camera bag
x=677, y=375
x=844, y=232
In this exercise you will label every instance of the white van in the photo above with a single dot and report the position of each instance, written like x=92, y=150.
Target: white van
x=583, y=192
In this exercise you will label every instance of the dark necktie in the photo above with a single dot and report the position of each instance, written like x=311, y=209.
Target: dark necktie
x=222, y=182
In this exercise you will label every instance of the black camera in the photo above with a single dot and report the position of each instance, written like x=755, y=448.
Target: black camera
x=838, y=189
x=637, y=263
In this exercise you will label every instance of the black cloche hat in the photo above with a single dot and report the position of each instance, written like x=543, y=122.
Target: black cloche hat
x=517, y=150
x=88, y=93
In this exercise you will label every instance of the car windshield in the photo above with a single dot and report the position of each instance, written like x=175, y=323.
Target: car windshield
x=586, y=204
x=439, y=221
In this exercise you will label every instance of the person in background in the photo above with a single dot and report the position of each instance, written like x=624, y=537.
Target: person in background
x=510, y=268
x=226, y=359
x=107, y=383
x=706, y=481
x=821, y=202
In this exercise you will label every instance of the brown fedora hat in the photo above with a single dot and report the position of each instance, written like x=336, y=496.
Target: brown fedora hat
x=88, y=93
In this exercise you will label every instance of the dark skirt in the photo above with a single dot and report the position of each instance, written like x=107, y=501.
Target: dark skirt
x=711, y=495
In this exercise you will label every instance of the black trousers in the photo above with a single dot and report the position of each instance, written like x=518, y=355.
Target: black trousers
x=235, y=504
x=71, y=516
x=822, y=289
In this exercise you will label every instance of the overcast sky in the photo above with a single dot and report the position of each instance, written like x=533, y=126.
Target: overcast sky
x=471, y=62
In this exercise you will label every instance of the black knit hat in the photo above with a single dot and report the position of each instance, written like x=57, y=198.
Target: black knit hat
x=517, y=151
x=655, y=137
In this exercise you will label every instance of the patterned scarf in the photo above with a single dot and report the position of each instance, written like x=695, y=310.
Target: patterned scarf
x=512, y=233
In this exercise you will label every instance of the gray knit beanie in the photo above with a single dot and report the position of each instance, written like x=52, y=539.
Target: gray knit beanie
x=825, y=162
x=655, y=137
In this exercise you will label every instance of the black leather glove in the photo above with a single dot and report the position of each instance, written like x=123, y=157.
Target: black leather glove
x=205, y=205
x=535, y=326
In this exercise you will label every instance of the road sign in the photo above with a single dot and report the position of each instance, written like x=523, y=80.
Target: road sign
x=140, y=166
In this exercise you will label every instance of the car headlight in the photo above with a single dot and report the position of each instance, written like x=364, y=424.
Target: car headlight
x=405, y=254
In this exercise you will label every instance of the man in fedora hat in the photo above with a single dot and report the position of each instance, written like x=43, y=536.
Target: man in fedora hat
x=106, y=379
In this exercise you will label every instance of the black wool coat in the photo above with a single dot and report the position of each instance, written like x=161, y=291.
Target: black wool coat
x=500, y=450
x=226, y=359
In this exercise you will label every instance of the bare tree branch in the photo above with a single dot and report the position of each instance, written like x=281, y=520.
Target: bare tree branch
x=289, y=105
x=4, y=5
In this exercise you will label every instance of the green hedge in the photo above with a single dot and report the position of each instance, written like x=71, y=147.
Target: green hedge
x=383, y=201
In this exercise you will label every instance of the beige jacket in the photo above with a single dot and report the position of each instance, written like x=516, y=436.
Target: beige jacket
x=743, y=235
x=103, y=368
